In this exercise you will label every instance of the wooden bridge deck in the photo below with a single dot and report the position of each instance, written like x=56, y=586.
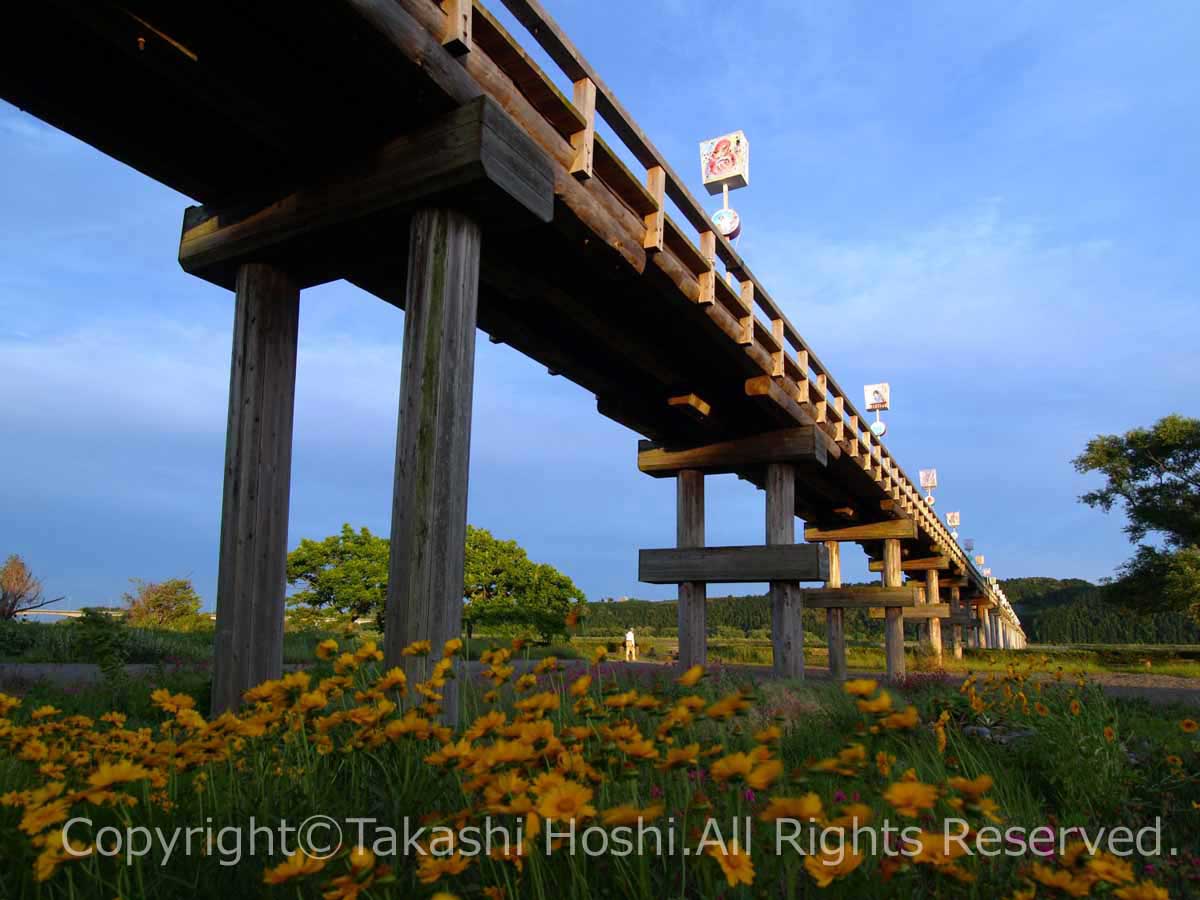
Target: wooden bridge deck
x=240, y=104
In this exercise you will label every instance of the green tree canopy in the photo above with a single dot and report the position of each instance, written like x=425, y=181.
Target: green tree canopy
x=1154, y=474
x=347, y=574
x=173, y=604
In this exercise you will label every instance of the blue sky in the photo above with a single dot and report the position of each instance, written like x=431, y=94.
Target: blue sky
x=993, y=206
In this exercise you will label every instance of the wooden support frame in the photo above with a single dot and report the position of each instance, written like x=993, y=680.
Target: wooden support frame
x=835, y=617
x=871, y=531
x=732, y=565
x=692, y=405
x=805, y=445
x=693, y=595
x=920, y=564
x=433, y=441
x=459, y=19
x=252, y=572
x=787, y=624
x=656, y=222
x=907, y=597
x=584, y=141
x=893, y=628
x=920, y=612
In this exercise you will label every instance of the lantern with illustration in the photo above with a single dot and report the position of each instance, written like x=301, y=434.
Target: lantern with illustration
x=725, y=165
x=878, y=397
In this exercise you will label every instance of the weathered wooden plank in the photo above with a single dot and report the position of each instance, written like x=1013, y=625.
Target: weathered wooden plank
x=727, y=565
x=871, y=531
x=609, y=168
x=693, y=595
x=252, y=572
x=679, y=243
x=656, y=221
x=893, y=628
x=476, y=149
x=457, y=34
x=932, y=592
x=584, y=140
x=429, y=503
x=861, y=597
x=920, y=564
x=787, y=627
x=921, y=612
x=794, y=445
x=835, y=617
x=691, y=404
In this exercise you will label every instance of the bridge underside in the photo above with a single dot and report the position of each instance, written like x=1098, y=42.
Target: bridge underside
x=237, y=105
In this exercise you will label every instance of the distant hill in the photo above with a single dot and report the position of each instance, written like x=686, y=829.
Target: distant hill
x=1074, y=611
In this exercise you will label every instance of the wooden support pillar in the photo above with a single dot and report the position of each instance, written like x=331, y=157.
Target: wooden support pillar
x=693, y=595
x=433, y=442
x=893, y=625
x=982, y=612
x=252, y=573
x=956, y=609
x=787, y=628
x=933, y=595
x=835, y=619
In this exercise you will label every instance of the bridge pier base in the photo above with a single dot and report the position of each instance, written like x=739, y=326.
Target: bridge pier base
x=893, y=624
x=693, y=595
x=787, y=626
x=252, y=571
x=429, y=502
x=835, y=619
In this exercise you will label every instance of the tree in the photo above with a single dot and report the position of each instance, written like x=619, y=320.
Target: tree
x=1154, y=474
x=504, y=587
x=172, y=604
x=345, y=574
x=20, y=590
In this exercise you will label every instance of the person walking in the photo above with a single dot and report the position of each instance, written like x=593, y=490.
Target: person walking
x=630, y=647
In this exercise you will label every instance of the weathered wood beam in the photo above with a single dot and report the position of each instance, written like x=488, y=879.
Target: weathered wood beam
x=931, y=612
x=914, y=565
x=787, y=626
x=475, y=157
x=794, y=445
x=429, y=502
x=861, y=597
x=691, y=405
x=871, y=531
x=693, y=595
x=252, y=572
x=835, y=617
x=728, y=565
x=893, y=629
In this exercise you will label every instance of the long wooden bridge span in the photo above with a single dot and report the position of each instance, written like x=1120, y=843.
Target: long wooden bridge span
x=415, y=149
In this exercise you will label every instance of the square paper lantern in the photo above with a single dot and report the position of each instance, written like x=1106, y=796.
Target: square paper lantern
x=953, y=519
x=725, y=160
x=929, y=479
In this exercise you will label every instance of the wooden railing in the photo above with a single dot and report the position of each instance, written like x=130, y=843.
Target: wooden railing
x=792, y=361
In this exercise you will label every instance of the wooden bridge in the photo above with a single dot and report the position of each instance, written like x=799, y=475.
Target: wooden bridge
x=416, y=150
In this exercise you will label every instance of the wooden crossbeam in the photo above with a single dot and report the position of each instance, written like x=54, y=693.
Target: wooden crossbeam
x=474, y=156
x=872, y=531
x=860, y=597
x=794, y=445
x=727, y=565
x=914, y=565
x=920, y=611
x=692, y=405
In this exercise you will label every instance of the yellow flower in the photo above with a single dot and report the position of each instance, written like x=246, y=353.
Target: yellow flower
x=1076, y=708
x=765, y=774
x=569, y=800
x=880, y=704
x=860, y=687
x=825, y=866
x=451, y=647
x=884, y=762
x=909, y=797
x=1112, y=869
x=734, y=861
x=1174, y=761
x=804, y=809
x=327, y=648
x=417, y=648
x=768, y=735
x=1109, y=734
x=580, y=685
x=431, y=868
x=1062, y=879
x=297, y=865
x=727, y=706
x=1189, y=726
x=690, y=677
x=393, y=679
x=902, y=720
x=598, y=655
x=681, y=757
x=973, y=787
x=361, y=860
x=735, y=765
x=117, y=773
x=1041, y=709
x=630, y=815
